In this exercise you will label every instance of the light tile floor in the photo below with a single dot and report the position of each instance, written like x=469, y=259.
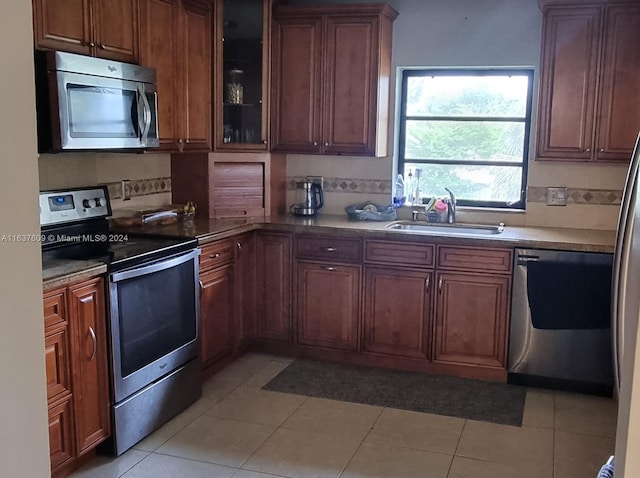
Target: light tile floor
x=238, y=430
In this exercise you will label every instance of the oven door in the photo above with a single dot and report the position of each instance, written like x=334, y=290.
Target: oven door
x=104, y=113
x=154, y=321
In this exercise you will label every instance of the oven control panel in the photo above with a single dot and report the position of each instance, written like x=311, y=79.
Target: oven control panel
x=70, y=205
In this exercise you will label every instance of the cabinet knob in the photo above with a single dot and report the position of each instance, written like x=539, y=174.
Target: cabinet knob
x=103, y=46
x=329, y=268
x=92, y=44
x=180, y=140
x=264, y=141
x=315, y=143
x=588, y=150
x=239, y=246
x=602, y=150
x=326, y=144
x=329, y=249
x=214, y=256
x=187, y=141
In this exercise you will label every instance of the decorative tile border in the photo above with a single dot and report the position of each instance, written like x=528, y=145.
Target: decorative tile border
x=140, y=187
x=349, y=185
x=606, y=197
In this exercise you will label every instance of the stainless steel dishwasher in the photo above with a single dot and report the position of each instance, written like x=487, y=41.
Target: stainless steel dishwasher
x=560, y=334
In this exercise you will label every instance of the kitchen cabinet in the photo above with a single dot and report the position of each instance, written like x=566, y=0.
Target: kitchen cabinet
x=175, y=39
x=76, y=370
x=472, y=306
x=241, y=79
x=217, y=296
x=589, y=99
x=245, y=284
x=103, y=28
x=273, y=272
x=330, y=71
x=328, y=291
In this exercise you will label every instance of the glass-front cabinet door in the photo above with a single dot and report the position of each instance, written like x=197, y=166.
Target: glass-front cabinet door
x=241, y=74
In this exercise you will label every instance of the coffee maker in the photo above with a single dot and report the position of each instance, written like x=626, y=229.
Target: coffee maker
x=309, y=198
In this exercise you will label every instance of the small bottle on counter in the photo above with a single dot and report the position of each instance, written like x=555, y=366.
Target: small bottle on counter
x=398, y=192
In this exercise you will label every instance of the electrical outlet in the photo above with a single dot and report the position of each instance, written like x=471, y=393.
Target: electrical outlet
x=316, y=179
x=126, y=189
x=556, y=196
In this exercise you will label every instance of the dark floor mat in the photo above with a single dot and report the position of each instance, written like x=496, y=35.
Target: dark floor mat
x=451, y=396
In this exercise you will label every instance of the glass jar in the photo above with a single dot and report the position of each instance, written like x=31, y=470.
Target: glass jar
x=234, y=88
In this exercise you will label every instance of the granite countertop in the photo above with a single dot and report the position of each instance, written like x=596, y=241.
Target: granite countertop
x=56, y=273
x=62, y=272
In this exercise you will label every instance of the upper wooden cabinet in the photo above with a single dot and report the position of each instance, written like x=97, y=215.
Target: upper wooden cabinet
x=241, y=79
x=589, y=96
x=175, y=39
x=102, y=28
x=330, y=79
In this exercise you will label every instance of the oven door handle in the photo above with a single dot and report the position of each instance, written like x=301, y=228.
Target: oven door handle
x=160, y=265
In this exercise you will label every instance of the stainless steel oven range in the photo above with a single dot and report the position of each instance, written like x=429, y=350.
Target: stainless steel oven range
x=153, y=309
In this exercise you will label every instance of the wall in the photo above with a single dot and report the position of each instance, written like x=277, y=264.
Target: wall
x=482, y=33
x=24, y=447
x=149, y=175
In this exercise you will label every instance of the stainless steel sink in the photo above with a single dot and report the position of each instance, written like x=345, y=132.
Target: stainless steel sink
x=439, y=228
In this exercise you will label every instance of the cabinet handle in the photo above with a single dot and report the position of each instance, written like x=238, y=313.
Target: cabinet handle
x=239, y=246
x=329, y=268
x=440, y=286
x=92, y=44
x=602, y=150
x=329, y=249
x=180, y=141
x=103, y=46
x=315, y=143
x=201, y=287
x=214, y=256
x=95, y=344
x=326, y=144
x=426, y=284
x=264, y=141
x=588, y=150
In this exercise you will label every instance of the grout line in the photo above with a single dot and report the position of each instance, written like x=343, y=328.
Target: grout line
x=362, y=442
x=148, y=454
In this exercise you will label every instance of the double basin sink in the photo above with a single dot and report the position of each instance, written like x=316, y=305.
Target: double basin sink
x=440, y=228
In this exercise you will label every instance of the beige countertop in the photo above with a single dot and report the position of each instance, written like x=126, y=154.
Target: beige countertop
x=56, y=273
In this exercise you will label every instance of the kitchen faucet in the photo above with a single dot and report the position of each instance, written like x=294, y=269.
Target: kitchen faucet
x=451, y=207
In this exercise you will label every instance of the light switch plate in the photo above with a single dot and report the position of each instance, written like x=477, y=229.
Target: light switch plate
x=316, y=179
x=557, y=196
x=126, y=189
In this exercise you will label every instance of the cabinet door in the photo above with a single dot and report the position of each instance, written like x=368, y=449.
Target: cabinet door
x=273, y=288
x=245, y=289
x=328, y=305
x=296, y=77
x=397, y=311
x=116, y=29
x=619, y=106
x=196, y=86
x=57, y=366
x=89, y=364
x=216, y=314
x=471, y=319
x=568, y=82
x=159, y=20
x=62, y=25
x=350, y=86
x=60, y=433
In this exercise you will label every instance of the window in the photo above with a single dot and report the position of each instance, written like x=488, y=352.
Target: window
x=467, y=130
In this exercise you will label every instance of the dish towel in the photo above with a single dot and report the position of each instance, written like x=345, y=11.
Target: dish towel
x=607, y=469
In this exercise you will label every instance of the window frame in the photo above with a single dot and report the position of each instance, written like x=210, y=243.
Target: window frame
x=526, y=120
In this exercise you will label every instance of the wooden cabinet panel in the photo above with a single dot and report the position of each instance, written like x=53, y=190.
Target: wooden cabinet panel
x=329, y=248
x=397, y=311
x=619, y=105
x=89, y=364
x=401, y=253
x=62, y=25
x=328, y=305
x=350, y=86
x=56, y=355
x=245, y=289
x=217, y=254
x=60, y=433
x=297, y=60
x=116, y=29
x=238, y=189
x=216, y=313
x=197, y=55
x=273, y=269
x=471, y=319
x=158, y=49
x=474, y=259
x=55, y=308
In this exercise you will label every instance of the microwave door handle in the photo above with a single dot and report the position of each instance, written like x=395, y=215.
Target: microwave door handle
x=146, y=116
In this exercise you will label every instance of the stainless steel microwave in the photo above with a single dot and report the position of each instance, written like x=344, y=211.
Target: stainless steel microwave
x=86, y=103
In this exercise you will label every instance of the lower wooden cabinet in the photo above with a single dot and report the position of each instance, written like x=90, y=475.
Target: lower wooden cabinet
x=216, y=313
x=273, y=270
x=397, y=311
x=471, y=319
x=77, y=370
x=245, y=283
x=328, y=305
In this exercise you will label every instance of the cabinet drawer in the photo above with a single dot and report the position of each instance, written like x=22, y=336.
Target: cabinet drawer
x=217, y=254
x=418, y=255
x=56, y=354
x=474, y=259
x=328, y=248
x=60, y=433
x=54, y=308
